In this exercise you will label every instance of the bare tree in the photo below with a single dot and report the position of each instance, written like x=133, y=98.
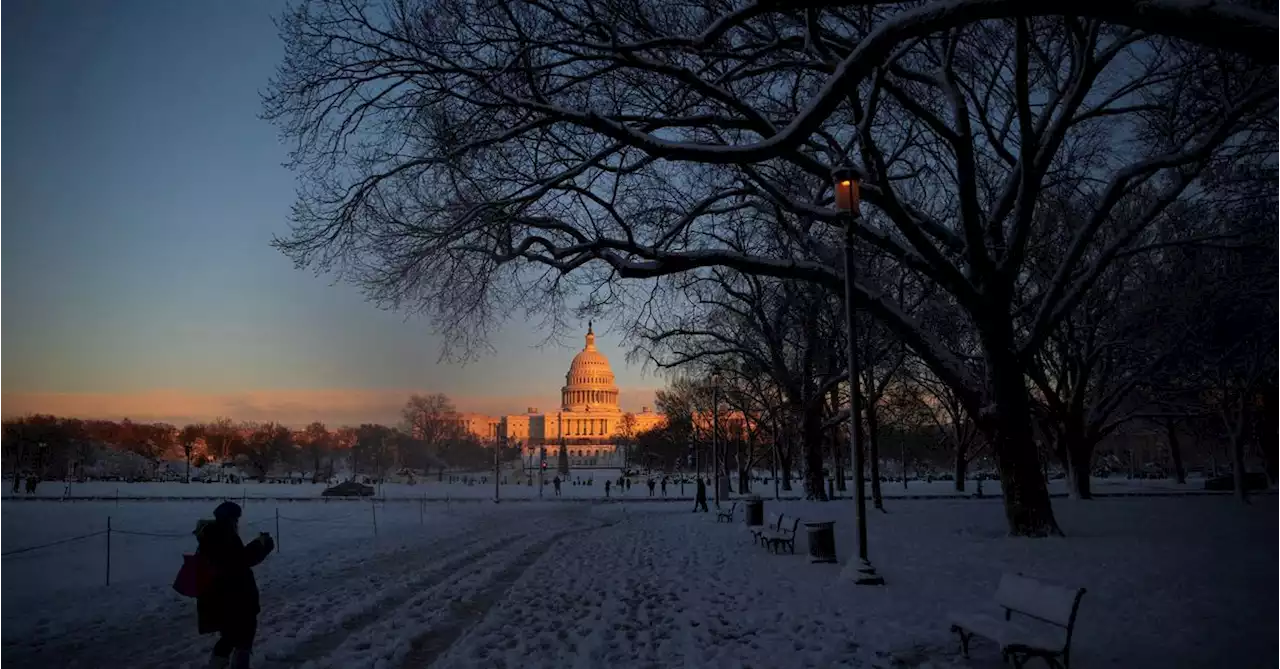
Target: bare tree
x=587, y=142
x=627, y=437
x=218, y=437
x=432, y=420
x=318, y=442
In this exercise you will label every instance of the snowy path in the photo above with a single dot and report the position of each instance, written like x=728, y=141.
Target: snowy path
x=664, y=588
x=335, y=614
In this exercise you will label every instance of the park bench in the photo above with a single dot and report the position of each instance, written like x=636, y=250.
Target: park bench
x=775, y=539
x=726, y=514
x=758, y=532
x=1052, y=608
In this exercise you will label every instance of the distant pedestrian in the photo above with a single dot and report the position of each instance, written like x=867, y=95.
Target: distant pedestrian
x=556, y=482
x=33, y=480
x=628, y=482
x=664, y=486
x=607, y=484
x=230, y=604
x=652, y=483
x=700, y=500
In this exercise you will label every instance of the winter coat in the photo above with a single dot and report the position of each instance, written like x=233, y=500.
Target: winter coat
x=702, y=491
x=233, y=593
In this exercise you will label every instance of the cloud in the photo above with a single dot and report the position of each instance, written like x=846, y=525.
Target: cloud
x=340, y=406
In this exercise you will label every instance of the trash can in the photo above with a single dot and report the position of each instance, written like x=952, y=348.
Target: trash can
x=822, y=541
x=755, y=511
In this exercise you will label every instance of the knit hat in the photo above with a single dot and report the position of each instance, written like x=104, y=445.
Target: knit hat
x=227, y=512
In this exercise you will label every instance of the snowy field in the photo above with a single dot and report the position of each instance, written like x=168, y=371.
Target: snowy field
x=1173, y=582
x=433, y=490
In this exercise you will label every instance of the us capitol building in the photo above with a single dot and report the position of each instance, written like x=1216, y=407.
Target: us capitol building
x=588, y=422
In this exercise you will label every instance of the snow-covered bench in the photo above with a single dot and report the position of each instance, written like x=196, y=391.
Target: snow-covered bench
x=726, y=514
x=1052, y=608
x=782, y=536
x=758, y=532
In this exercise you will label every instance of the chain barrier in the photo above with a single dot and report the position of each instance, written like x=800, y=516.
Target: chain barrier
x=341, y=521
x=52, y=543
x=161, y=535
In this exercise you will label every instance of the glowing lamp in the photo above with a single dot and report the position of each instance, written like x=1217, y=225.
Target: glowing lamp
x=845, y=182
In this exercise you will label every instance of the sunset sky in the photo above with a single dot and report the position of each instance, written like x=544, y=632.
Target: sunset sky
x=140, y=193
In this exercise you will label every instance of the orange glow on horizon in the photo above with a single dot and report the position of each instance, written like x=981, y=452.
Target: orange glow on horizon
x=295, y=407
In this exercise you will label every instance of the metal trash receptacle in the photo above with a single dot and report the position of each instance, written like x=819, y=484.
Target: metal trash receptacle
x=754, y=515
x=822, y=541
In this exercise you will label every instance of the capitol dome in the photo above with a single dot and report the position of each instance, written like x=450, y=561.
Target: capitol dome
x=589, y=384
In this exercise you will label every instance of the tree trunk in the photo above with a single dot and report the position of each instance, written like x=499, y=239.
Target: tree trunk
x=837, y=457
x=1175, y=452
x=961, y=468
x=1237, y=466
x=1237, y=436
x=873, y=454
x=1266, y=419
x=1079, y=467
x=17, y=467
x=837, y=444
x=1027, y=507
x=812, y=426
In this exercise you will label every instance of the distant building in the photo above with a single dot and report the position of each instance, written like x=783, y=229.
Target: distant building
x=588, y=423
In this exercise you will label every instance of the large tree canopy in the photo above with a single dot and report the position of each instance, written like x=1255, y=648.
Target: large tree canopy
x=470, y=158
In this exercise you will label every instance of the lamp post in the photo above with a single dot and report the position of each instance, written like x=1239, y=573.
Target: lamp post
x=715, y=433
x=845, y=183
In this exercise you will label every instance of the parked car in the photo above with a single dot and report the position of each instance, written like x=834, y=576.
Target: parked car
x=1252, y=481
x=349, y=489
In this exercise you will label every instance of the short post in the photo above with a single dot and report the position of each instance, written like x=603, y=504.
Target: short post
x=117, y=497
x=277, y=529
x=373, y=506
x=421, y=508
x=108, y=550
x=753, y=514
x=822, y=542
x=244, y=497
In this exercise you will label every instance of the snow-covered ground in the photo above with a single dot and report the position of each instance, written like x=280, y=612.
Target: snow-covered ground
x=1173, y=582
x=434, y=490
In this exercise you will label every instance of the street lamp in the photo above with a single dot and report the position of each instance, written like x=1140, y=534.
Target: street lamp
x=715, y=432
x=845, y=182
x=497, y=467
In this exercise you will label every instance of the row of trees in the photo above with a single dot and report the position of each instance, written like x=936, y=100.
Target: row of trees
x=1102, y=409
x=1049, y=191
x=430, y=438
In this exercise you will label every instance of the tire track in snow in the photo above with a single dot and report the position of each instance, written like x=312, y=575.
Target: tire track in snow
x=163, y=635
x=428, y=646
x=350, y=584
x=322, y=642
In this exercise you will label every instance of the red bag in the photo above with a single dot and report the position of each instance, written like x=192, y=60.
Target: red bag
x=195, y=576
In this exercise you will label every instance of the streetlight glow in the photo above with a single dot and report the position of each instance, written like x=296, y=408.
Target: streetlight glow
x=846, y=188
